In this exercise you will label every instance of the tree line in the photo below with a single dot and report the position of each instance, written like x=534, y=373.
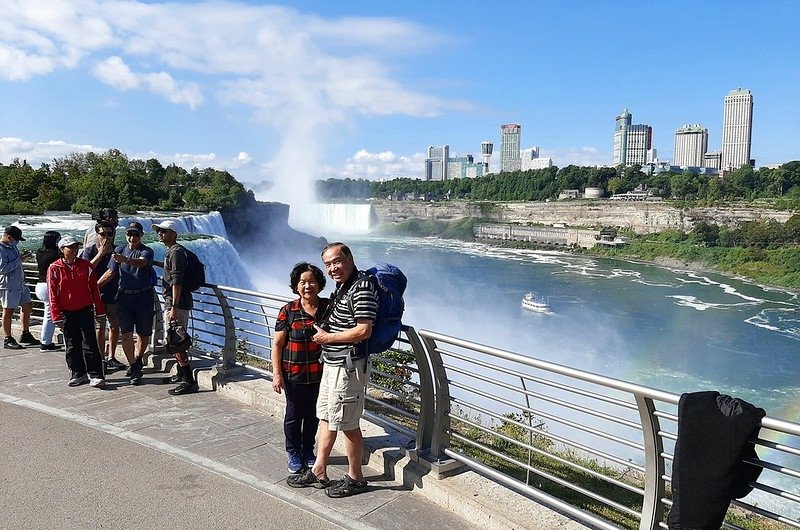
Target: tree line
x=744, y=183
x=85, y=182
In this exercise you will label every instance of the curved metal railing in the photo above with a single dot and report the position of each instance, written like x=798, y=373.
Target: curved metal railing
x=597, y=448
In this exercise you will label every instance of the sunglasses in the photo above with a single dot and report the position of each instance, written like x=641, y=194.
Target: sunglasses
x=133, y=234
x=107, y=234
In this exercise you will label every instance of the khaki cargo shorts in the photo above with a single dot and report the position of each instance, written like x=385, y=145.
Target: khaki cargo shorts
x=341, y=395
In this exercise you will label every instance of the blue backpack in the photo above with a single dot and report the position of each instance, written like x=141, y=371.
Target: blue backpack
x=390, y=282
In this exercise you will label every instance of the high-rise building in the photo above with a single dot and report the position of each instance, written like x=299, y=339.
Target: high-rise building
x=486, y=153
x=436, y=163
x=737, y=128
x=531, y=160
x=623, y=122
x=713, y=159
x=691, y=145
x=633, y=144
x=509, y=147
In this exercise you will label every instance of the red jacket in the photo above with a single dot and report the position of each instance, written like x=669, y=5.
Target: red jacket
x=72, y=288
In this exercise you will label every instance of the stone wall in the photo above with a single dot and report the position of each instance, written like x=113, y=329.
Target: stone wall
x=643, y=217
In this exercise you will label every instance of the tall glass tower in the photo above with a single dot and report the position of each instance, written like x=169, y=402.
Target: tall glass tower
x=737, y=128
x=509, y=147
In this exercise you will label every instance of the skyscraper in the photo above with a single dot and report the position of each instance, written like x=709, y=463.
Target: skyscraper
x=737, y=128
x=623, y=122
x=436, y=163
x=509, y=147
x=691, y=145
x=632, y=143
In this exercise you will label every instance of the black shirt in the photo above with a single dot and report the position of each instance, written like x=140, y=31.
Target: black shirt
x=43, y=260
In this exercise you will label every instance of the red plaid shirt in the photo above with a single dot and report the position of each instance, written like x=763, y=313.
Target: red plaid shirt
x=301, y=354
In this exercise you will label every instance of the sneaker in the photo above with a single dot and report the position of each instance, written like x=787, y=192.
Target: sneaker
x=309, y=458
x=184, y=388
x=97, y=382
x=27, y=339
x=112, y=365
x=136, y=375
x=11, y=344
x=78, y=380
x=129, y=371
x=346, y=487
x=307, y=479
x=295, y=463
x=49, y=347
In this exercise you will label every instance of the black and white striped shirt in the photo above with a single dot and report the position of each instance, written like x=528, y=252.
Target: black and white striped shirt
x=358, y=301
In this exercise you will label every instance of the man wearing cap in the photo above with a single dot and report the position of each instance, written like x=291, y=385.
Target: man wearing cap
x=99, y=256
x=132, y=263
x=177, y=301
x=75, y=304
x=13, y=291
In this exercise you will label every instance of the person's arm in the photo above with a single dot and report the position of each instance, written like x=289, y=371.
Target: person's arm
x=106, y=277
x=52, y=295
x=361, y=331
x=278, y=343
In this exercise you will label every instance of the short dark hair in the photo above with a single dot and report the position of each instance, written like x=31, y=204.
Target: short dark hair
x=104, y=224
x=299, y=269
x=344, y=248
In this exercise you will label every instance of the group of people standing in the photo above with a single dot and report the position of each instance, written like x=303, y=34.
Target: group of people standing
x=317, y=363
x=103, y=288
x=321, y=370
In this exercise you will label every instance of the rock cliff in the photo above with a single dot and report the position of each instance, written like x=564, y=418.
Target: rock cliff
x=641, y=217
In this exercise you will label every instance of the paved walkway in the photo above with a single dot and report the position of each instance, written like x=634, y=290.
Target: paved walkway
x=129, y=457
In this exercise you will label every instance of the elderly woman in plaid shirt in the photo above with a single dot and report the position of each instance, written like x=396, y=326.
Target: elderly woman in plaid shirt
x=296, y=365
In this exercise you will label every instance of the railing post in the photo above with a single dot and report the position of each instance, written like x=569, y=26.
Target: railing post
x=654, y=468
x=427, y=396
x=440, y=436
x=227, y=359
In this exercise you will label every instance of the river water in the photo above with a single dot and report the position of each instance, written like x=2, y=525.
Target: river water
x=670, y=329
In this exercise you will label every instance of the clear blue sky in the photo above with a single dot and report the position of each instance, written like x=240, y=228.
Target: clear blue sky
x=313, y=89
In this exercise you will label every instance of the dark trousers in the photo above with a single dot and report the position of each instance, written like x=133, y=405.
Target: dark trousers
x=83, y=354
x=300, y=422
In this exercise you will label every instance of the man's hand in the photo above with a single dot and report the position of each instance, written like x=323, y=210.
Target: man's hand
x=119, y=258
x=322, y=336
x=25, y=254
x=172, y=314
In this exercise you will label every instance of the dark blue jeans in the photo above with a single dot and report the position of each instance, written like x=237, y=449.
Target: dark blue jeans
x=300, y=421
x=83, y=354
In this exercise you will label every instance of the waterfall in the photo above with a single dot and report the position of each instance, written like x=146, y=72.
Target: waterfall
x=332, y=218
x=210, y=223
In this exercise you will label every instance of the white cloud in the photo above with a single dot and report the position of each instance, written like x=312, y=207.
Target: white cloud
x=37, y=153
x=384, y=165
x=115, y=73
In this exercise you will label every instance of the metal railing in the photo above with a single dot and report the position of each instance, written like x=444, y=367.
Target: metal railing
x=596, y=448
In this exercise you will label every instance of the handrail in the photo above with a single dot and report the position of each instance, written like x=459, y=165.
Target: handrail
x=442, y=398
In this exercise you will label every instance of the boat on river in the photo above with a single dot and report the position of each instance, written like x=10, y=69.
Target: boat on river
x=538, y=304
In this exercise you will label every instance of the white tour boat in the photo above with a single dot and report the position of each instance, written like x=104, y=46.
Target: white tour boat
x=539, y=304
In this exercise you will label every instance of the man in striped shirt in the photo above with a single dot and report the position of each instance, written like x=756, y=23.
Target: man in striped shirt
x=353, y=308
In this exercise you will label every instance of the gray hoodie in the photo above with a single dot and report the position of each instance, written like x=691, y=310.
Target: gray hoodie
x=12, y=277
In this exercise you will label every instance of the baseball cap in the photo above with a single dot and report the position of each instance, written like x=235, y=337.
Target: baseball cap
x=134, y=226
x=15, y=232
x=67, y=241
x=168, y=224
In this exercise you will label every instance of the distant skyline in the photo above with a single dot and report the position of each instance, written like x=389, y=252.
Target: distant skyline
x=292, y=92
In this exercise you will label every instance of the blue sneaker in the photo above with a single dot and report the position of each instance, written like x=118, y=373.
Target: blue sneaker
x=295, y=463
x=309, y=458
